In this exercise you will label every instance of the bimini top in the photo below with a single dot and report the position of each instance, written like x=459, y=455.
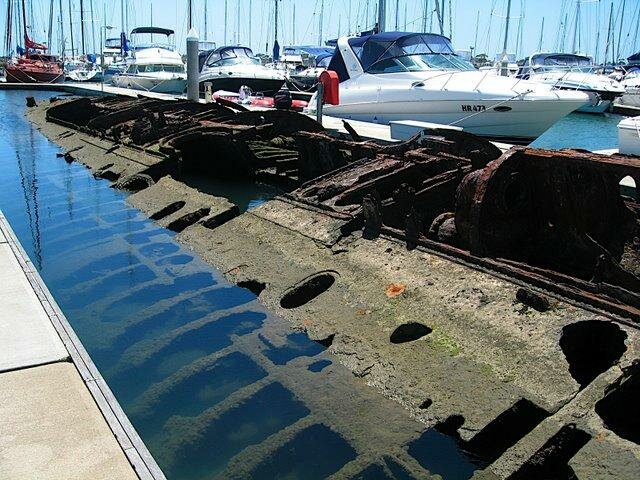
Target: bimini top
x=152, y=30
x=313, y=50
x=390, y=52
x=559, y=59
x=635, y=58
x=226, y=56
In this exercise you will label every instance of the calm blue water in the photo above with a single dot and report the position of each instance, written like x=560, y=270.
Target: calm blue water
x=211, y=380
x=582, y=130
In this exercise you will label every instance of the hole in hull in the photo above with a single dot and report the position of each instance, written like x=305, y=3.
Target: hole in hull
x=187, y=220
x=619, y=407
x=168, y=210
x=307, y=290
x=506, y=430
x=253, y=286
x=551, y=461
x=409, y=332
x=591, y=347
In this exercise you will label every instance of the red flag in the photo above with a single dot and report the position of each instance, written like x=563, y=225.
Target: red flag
x=33, y=45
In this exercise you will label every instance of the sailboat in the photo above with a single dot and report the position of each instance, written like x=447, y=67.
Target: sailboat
x=33, y=66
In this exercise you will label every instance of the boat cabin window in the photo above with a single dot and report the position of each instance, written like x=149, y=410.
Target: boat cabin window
x=407, y=53
x=232, y=56
x=112, y=43
x=323, y=62
x=337, y=65
x=154, y=68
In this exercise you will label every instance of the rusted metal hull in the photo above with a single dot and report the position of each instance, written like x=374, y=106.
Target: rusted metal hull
x=551, y=219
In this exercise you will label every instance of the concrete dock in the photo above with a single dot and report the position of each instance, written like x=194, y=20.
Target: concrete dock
x=58, y=417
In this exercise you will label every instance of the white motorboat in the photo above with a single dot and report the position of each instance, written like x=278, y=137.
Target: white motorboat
x=629, y=136
x=566, y=71
x=114, y=57
x=153, y=67
x=229, y=68
x=631, y=84
x=306, y=75
x=396, y=76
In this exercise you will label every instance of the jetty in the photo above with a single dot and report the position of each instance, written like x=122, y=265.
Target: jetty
x=58, y=417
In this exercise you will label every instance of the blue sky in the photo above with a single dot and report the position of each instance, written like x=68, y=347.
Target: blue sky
x=344, y=16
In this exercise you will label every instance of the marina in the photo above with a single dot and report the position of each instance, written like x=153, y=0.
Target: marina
x=368, y=255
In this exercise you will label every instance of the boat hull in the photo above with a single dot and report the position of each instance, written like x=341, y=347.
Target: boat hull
x=19, y=75
x=230, y=84
x=157, y=85
x=629, y=136
x=524, y=121
x=84, y=76
x=600, y=107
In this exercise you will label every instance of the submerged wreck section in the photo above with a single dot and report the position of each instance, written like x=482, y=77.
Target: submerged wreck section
x=495, y=295
x=556, y=220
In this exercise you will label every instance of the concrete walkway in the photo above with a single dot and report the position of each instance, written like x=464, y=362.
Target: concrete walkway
x=58, y=418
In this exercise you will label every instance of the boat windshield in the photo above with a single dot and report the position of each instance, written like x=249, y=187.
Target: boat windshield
x=112, y=43
x=561, y=61
x=232, y=56
x=156, y=67
x=389, y=53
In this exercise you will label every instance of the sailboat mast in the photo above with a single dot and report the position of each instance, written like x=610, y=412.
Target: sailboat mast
x=575, y=28
x=190, y=22
x=320, y=22
x=7, y=33
x=151, y=15
x=624, y=4
x=439, y=14
x=397, y=13
x=71, y=26
x=275, y=32
x=82, y=27
x=382, y=15
x=206, y=18
x=226, y=16
x=63, y=42
x=250, y=15
x=293, y=25
x=93, y=27
x=425, y=11
x=606, y=47
x=506, y=29
x=238, y=23
x=50, y=33
x=475, y=39
x=24, y=26
x=541, y=36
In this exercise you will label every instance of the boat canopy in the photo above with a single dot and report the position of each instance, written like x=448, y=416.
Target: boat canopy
x=231, y=55
x=113, y=43
x=152, y=30
x=635, y=58
x=559, y=59
x=391, y=52
x=312, y=50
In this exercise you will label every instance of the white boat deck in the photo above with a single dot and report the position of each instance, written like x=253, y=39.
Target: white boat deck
x=58, y=418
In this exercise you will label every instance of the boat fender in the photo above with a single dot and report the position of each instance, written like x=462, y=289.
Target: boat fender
x=331, y=84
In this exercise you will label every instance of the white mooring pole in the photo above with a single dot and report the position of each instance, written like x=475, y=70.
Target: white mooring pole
x=193, y=89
